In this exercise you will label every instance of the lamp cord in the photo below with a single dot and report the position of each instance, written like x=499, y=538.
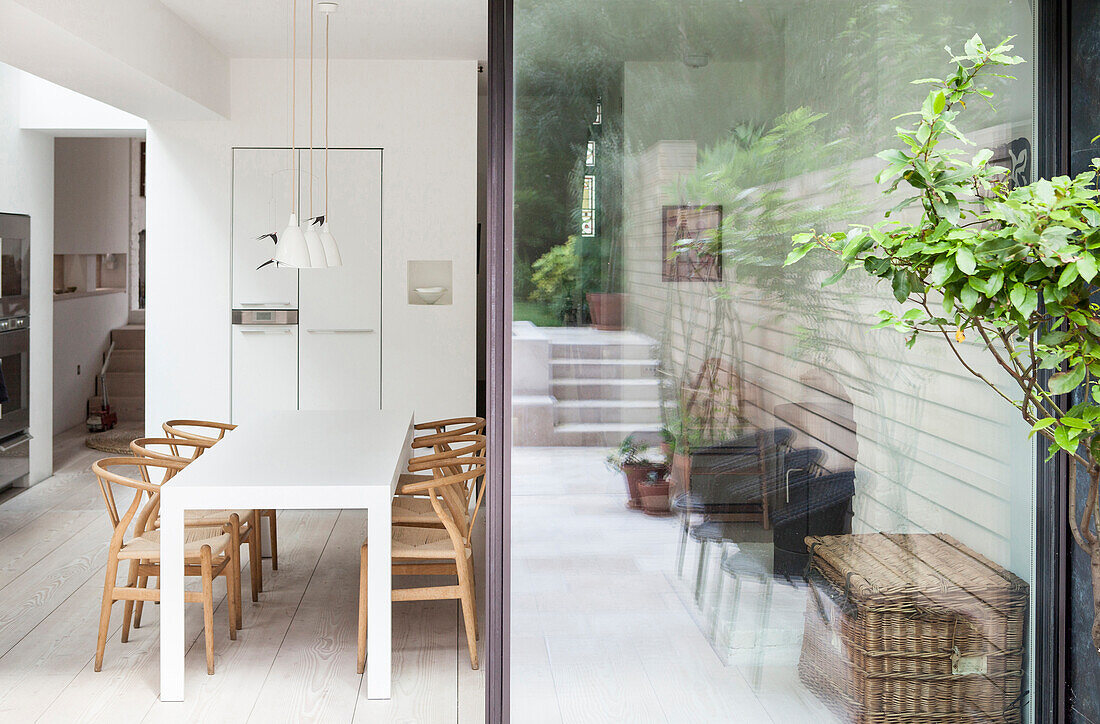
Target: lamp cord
x=326, y=117
x=293, y=98
x=311, y=109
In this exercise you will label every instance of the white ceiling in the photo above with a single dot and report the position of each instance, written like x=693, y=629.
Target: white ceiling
x=383, y=29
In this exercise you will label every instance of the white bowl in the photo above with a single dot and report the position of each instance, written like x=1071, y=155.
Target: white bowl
x=430, y=295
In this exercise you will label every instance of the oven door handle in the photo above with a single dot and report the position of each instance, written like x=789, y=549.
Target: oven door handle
x=16, y=442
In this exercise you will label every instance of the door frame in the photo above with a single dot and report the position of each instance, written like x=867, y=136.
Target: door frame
x=1052, y=158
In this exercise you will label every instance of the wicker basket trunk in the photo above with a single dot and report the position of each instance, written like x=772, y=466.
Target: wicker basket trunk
x=913, y=629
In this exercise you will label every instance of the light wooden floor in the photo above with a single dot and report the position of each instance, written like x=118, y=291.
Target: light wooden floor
x=293, y=662
x=603, y=630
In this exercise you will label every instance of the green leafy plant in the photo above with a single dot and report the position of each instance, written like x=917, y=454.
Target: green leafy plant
x=631, y=452
x=555, y=277
x=1014, y=268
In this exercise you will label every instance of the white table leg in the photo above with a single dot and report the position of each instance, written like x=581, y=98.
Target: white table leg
x=171, y=597
x=379, y=583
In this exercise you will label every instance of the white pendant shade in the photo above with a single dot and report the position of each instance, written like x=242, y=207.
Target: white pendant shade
x=332, y=252
x=291, y=249
x=315, y=248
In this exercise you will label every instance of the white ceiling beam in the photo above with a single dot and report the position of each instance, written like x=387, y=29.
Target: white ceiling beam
x=135, y=55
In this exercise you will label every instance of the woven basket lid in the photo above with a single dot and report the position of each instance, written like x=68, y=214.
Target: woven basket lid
x=928, y=566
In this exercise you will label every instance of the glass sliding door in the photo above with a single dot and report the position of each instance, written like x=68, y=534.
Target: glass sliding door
x=732, y=499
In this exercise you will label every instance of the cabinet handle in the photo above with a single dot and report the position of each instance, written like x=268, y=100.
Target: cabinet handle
x=281, y=329
x=16, y=442
x=340, y=331
x=267, y=304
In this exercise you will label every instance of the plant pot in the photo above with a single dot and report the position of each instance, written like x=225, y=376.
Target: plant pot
x=654, y=497
x=606, y=310
x=635, y=476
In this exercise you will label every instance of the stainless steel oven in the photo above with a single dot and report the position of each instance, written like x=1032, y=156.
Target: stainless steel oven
x=15, y=265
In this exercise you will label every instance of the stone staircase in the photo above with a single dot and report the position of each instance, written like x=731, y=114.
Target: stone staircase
x=604, y=386
x=126, y=373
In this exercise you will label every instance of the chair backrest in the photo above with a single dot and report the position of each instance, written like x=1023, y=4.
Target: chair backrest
x=445, y=430
x=207, y=431
x=455, y=474
x=169, y=448
x=109, y=472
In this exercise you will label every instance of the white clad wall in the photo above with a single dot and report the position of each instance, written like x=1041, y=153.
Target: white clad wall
x=423, y=114
x=92, y=192
x=26, y=187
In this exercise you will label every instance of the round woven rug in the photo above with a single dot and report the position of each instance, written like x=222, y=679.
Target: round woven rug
x=116, y=440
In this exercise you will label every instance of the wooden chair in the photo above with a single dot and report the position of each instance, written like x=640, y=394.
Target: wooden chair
x=441, y=431
x=238, y=523
x=411, y=506
x=435, y=552
x=210, y=431
x=207, y=551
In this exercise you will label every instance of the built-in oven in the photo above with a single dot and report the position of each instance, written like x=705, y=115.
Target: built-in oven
x=15, y=265
x=15, y=337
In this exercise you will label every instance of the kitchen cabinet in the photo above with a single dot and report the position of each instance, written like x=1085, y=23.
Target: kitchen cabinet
x=332, y=358
x=265, y=368
x=262, y=200
x=340, y=311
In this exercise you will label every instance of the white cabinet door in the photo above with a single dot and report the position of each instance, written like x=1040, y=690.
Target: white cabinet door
x=340, y=311
x=262, y=201
x=265, y=369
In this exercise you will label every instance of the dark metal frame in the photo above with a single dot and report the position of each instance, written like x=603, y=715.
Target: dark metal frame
x=1050, y=585
x=498, y=359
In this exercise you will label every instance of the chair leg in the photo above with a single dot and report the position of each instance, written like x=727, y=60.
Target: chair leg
x=700, y=573
x=208, y=606
x=469, y=608
x=105, y=610
x=142, y=582
x=361, y=659
x=682, y=553
x=254, y=563
x=233, y=579
x=230, y=599
x=128, y=606
x=273, y=538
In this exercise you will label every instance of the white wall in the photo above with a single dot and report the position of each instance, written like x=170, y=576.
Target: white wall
x=424, y=115
x=26, y=187
x=82, y=328
x=92, y=196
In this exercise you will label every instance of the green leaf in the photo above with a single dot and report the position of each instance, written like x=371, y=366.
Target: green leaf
x=964, y=259
x=969, y=297
x=798, y=253
x=1068, y=275
x=1042, y=424
x=1067, y=381
x=1086, y=267
x=901, y=285
x=835, y=277
x=942, y=270
x=938, y=102
x=1044, y=192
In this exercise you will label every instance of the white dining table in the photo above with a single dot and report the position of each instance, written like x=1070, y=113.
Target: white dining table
x=288, y=460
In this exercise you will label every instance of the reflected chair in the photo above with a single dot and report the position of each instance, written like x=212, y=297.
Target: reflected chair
x=433, y=551
x=210, y=431
x=238, y=523
x=208, y=552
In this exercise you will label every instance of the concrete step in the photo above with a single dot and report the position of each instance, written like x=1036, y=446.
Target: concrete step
x=132, y=336
x=600, y=350
x=582, y=389
x=588, y=434
x=603, y=369
x=634, y=412
x=125, y=384
x=128, y=409
x=128, y=360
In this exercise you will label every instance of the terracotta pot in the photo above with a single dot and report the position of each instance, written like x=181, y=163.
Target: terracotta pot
x=636, y=475
x=606, y=310
x=654, y=497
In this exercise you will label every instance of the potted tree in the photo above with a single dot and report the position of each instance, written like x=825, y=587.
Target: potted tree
x=1013, y=268
x=632, y=459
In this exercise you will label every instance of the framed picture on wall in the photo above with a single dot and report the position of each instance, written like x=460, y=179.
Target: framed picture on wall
x=691, y=243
